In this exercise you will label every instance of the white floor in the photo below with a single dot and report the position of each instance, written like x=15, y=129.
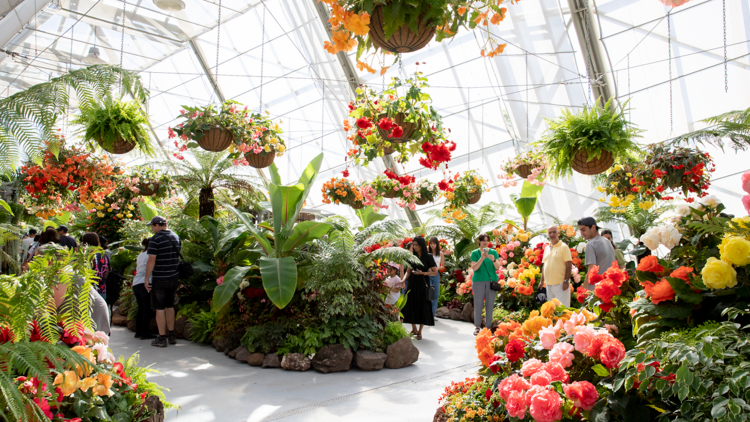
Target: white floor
x=212, y=387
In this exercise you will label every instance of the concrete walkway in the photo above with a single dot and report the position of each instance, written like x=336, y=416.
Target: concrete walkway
x=212, y=387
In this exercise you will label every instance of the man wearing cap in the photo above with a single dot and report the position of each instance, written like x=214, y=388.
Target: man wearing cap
x=66, y=240
x=558, y=265
x=599, y=251
x=162, y=278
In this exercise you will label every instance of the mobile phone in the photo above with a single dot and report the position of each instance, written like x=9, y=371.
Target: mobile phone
x=485, y=250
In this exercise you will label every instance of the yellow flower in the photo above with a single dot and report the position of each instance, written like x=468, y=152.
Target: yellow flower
x=103, y=386
x=131, y=207
x=282, y=148
x=119, y=215
x=267, y=148
x=735, y=250
x=86, y=383
x=617, y=167
x=100, y=207
x=548, y=309
x=232, y=148
x=100, y=214
x=628, y=174
x=614, y=184
x=129, y=215
x=67, y=381
x=600, y=189
x=274, y=141
x=533, y=325
x=718, y=274
x=645, y=205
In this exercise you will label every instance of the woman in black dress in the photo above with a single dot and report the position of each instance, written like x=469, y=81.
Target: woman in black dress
x=418, y=309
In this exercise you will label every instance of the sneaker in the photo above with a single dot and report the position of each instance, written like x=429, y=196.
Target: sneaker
x=171, y=338
x=137, y=335
x=159, y=342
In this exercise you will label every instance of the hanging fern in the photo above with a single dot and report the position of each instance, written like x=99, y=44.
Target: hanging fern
x=106, y=121
x=28, y=118
x=733, y=126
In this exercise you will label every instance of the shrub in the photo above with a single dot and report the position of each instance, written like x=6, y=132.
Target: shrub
x=204, y=324
x=394, y=332
x=264, y=338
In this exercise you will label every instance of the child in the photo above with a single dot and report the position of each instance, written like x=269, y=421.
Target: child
x=394, y=283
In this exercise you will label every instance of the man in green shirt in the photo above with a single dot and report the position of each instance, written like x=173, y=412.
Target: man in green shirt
x=484, y=263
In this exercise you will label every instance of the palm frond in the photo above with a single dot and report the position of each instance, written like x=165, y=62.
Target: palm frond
x=732, y=126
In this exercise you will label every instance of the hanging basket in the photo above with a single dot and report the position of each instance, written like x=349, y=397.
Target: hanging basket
x=403, y=40
x=357, y=205
x=391, y=193
x=422, y=201
x=595, y=166
x=260, y=161
x=408, y=127
x=474, y=198
x=216, y=139
x=148, y=188
x=524, y=170
x=119, y=146
x=388, y=149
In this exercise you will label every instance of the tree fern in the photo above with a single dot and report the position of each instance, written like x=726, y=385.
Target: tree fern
x=733, y=126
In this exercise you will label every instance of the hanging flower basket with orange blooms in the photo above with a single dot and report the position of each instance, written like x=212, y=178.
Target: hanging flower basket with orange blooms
x=339, y=190
x=398, y=26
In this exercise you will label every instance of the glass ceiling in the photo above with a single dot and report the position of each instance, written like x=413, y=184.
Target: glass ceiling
x=494, y=107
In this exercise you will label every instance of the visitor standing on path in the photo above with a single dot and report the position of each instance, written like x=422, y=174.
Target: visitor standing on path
x=143, y=317
x=619, y=255
x=26, y=244
x=162, y=278
x=484, y=263
x=65, y=240
x=437, y=255
x=100, y=264
x=558, y=265
x=599, y=251
x=418, y=309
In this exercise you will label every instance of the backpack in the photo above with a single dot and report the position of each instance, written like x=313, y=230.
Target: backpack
x=184, y=268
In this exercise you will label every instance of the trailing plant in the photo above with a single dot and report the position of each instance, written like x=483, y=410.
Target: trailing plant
x=594, y=129
x=260, y=135
x=340, y=190
x=111, y=120
x=427, y=190
x=532, y=161
x=459, y=191
x=197, y=121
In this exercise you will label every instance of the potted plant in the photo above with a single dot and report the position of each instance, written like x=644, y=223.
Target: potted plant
x=341, y=190
x=401, y=27
x=529, y=165
x=428, y=191
x=211, y=129
x=150, y=182
x=588, y=142
x=386, y=186
x=260, y=141
x=464, y=189
x=116, y=126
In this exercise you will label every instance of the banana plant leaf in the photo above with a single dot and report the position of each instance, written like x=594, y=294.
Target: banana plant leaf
x=526, y=202
x=368, y=217
x=147, y=208
x=284, y=201
x=265, y=244
x=305, y=232
x=279, y=279
x=223, y=293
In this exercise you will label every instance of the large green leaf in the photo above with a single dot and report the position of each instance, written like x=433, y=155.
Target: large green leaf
x=260, y=237
x=279, y=279
x=369, y=217
x=212, y=226
x=525, y=206
x=224, y=292
x=307, y=179
x=7, y=207
x=275, y=178
x=284, y=202
x=305, y=232
x=147, y=208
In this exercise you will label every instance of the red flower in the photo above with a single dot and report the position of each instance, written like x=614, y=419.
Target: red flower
x=606, y=306
x=612, y=353
x=594, y=276
x=494, y=368
x=683, y=273
x=364, y=123
x=606, y=290
x=659, y=173
x=345, y=173
x=385, y=123
x=582, y=294
x=616, y=275
x=650, y=264
x=514, y=350
x=397, y=132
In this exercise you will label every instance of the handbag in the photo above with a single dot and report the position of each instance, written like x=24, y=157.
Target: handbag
x=495, y=286
x=184, y=269
x=540, y=298
x=430, y=293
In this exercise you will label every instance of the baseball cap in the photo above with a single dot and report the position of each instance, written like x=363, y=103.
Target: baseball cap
x=587, y=221
x=157, y=221
x=62, y=228
x=394, y=265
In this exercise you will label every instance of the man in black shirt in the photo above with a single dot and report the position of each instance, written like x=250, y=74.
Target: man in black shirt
x=162, y=278
x=66, y=240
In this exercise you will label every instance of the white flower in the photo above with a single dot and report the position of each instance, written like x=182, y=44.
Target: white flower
x=711, y=201
x=651, y=238
x=244, y=284
x=239, y=296
x=581, y=247
x=670, y=236
x=683, y=210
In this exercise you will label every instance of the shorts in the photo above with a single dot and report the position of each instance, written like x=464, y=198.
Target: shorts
x=162, y=294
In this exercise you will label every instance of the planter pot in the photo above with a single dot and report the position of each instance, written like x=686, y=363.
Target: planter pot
x=409, y=129
x=595, y=166
x=148, y=189
x=357, y=205
x=524, y=171
x=388, y=149
x=216, y=140
x=391, y=193
x=403, y=40
x=260, y=161
x=422, y=201
x=120, y=146
x=475, y=197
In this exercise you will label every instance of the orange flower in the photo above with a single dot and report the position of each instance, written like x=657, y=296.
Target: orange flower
x=484, y=346
x=68, y=382
x=461, y=10
x=683, y=273
x=660, y=291
x=498, y=17
x=359, y=24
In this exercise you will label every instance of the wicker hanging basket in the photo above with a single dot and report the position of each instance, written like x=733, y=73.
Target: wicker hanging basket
x=475, y=197
x=120, y=146
x=408, y=127
x=216, y=139
x=148, y=188
x=388, y=149
x=403, y=40
x=422, y=201
x=524, y=170
x=357, y=205
x=260, y=161
x=595, y=166
x=391, y=193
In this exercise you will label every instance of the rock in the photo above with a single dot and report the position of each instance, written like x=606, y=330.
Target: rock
x=155, y=405
x=220, y=345
x=333, y=358
x=443, y=312
x=295, y=362
x=242, y=354
x=370, y=361
x=270, y=361
x=468, y=313
x=233, y=353
x=120, y=320
x=131, y=324
x=440, y=416
x=121, y=311
x=188, y=329
x=179, y=327
x=258, y=359
x=456, y=314
x=401, y=354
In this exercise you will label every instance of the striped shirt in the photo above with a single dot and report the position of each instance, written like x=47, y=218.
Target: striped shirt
x=166, y=246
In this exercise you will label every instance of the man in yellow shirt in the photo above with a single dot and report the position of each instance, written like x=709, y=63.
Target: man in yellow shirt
x=557, y=265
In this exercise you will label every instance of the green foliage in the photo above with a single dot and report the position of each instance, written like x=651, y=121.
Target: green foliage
x=139, y=375
x=28, y=118
x=733, y=125
x=526, y=202
x=594, y=129
x=636, y=218
x=307, y=342
x=690, y=336
x=264, y=338
x=393, y=332
x=203, y=327
x=109, y=120
x=352, y=333
x=189, y=310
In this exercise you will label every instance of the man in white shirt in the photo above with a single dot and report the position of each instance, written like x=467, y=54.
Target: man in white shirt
x=26, y=244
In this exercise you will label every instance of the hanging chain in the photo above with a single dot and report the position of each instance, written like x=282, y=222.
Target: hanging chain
x=669, y=41
x=590, y=67
x=481, y=141
x=468, y=125
x=218, y=38
x=322, y=116
x=122, y=43
x=148, y=100
x=629, y=112
x=726, y=74
x=526, y=56
x=263, y=57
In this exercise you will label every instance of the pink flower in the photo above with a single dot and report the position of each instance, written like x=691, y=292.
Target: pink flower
x=219, y=281
x=575, y=320
x=583, y=337
x=556, y=371
x=531, y=366
x=412, y=206
x=612, y=353
x=182, y=111
x=545, y=407
x=746, y=181
x=548, y=337
x=541, y=377
x=562, y=354
x=612, y=328
x=746, y=203
x=511, y=384
x=244, y=147
x=100, y=337
x=511, y=254
x=516, y=404
x=582, y=393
